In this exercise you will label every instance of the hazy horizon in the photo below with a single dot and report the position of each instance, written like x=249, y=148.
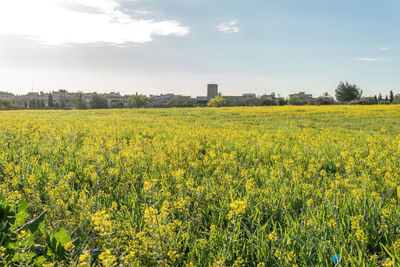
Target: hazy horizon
x=179, y=46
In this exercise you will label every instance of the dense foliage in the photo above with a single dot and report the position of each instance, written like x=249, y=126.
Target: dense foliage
x=138, y=101
x=98, y=102
x=262, y=186
x=17, y=238
x=346, y=92
x=6, y=104
x=218, y=101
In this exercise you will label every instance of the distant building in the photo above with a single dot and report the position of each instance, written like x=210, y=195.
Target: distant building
x=62, y=99
x=212, y=90
x=247, y=99
x=243, y=100
x=160, y=100
x=181, y=101
x=116, y=100
x=270, y=97
x=5, y=95
x=201, y=101
x=32, y=100
x=249, y=95
x=85, y=98
x=301, y=95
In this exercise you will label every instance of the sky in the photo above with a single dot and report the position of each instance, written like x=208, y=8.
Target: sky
x=179, y=46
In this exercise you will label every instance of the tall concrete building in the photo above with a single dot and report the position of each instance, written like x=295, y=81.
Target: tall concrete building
x=212, y=90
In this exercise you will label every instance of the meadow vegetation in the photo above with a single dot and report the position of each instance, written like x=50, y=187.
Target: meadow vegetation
x=260, y=186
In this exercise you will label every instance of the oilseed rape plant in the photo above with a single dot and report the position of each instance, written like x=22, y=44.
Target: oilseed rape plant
x=259, y=186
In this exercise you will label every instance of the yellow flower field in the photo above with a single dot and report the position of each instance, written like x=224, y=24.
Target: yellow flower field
x=258, y=186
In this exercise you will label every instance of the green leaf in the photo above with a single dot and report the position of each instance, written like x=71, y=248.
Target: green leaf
x=22, y=205
x=25, y=256
x=27, y=241
x=62, y=236
x=42, y=228
x=12, y=245
x=299, y=241
x=34, y=224
x=387, y=250
x=21, y=215
x=40, y=260
x=51, y=244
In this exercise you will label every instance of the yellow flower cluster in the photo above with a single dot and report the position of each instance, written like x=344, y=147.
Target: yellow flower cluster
x=107, y=259
x=279, y=186
x=84, y=259
x=238, y=207
x=101, y=221
x=273, y=236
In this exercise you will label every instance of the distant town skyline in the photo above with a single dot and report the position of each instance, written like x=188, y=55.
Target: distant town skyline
x=178, y=46
x=201, y=92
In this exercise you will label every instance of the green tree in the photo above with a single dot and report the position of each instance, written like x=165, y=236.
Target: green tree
x=63, y=94
x=280, y=101
x=218, y=101
x=138, y=101
x=98, y=101
x=396, y=99
x=324, y=99
x=79, y=103
x=346, y=92
x=297, y=100
x=32, y=104
x=6, y=104
x=50, y=101
x=391, y=98
x=180, y=101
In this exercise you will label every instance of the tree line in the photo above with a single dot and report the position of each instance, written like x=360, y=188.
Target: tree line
x=345, y=93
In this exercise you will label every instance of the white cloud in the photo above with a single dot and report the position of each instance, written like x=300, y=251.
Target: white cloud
x=385, y=48
x=369, y=59
x=230, y=26
x=143, y=12
x=58, y=22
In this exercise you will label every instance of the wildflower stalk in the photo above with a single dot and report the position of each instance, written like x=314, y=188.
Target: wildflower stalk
x=94, y=232
x=160, y=240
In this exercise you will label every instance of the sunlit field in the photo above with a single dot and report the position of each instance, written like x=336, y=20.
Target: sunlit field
x=262, y=186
